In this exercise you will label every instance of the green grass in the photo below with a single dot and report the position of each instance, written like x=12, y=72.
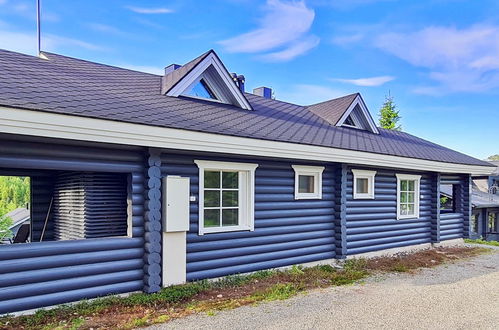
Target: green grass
x=279, y=291
x=481, y=241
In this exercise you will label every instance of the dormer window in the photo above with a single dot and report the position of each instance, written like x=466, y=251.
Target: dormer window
x=201, y=90
x=348, y=111
x=205, y=78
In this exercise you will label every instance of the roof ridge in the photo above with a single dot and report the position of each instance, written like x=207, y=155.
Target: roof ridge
x=335, y=99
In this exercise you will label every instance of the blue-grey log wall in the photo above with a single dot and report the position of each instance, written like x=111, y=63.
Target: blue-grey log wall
x=287, y=231
x=45, y=273
x=371, y=224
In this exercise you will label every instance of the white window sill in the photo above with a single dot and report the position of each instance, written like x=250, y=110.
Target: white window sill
x=407, y=217
x=213, y=230
x=308, y=197
x=363, y=196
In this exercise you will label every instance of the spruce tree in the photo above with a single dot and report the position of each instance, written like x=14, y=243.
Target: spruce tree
x=389, y=115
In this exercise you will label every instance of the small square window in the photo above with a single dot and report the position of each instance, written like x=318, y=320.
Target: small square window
x=363, y=184
x=308, y=182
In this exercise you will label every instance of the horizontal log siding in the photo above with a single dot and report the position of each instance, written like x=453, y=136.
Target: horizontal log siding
x=47, y=273
x=372, y=225
x=287, y=231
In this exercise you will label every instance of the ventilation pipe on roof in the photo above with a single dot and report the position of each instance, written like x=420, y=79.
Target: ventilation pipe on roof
x=239, y=80
x=263, y=91
x=171, y=68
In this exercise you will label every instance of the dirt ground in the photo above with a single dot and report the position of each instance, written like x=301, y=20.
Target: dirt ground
x=460, y=295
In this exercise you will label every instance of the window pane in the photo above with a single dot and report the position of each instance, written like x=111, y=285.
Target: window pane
x=362, y=186
x=403, y=185
x=211, y=198
x=403, y=197
x=201, y=89
x=230, y=179
x=410, y=209
x=410, y=197
x=211, y=179
x=305, y=183
x=230, y=198
x=230, y=217
x=411, y=185
x=211, y=218
x=403, y=209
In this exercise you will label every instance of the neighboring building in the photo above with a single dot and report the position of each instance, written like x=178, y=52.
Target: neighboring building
x=485, y=200
x=153, y=180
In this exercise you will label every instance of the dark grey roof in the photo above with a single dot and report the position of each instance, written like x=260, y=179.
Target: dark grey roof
x=332, y=110
x=71, y=86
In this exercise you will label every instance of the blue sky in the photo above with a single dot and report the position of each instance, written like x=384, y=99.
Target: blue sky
x=439, y=59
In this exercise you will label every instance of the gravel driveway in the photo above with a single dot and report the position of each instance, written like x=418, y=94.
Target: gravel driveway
x=463, y=295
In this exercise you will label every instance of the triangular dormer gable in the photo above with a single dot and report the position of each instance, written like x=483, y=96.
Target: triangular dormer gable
x=205, y=78
x=357, y=116
x=347, y=111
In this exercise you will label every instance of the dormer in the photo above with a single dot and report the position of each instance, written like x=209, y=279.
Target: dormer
x=204, y=78
x=348, y=111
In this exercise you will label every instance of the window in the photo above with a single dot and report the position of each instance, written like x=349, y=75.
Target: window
x=408, y=196
x=226, y=196
x=363, y=184
x=308, y=182
x=202, y=90
x=493, y=222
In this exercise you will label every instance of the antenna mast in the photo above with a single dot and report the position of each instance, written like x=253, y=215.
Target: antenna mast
x=38, y=30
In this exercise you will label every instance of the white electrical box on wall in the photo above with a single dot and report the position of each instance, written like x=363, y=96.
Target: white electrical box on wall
x=176, y=204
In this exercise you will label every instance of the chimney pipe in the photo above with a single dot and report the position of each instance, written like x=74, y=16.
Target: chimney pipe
x=263, y=91
x=171, y=68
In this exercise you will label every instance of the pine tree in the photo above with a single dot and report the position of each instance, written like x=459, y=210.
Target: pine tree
x=389, y=115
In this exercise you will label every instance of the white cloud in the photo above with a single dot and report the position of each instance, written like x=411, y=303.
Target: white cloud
x=306, y=94
x=285, y=24
x=459, y=60
x=368, y=82
x=293, y=50
x=142, y=10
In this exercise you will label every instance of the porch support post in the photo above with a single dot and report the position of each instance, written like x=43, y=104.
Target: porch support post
x=435, y=209
x=466, y=204
x=340, y=214
x=152, y=236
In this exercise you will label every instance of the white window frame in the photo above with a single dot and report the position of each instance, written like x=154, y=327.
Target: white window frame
x=417, y=179
x=364, y=174
x=246, y=205
x=316, y=172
